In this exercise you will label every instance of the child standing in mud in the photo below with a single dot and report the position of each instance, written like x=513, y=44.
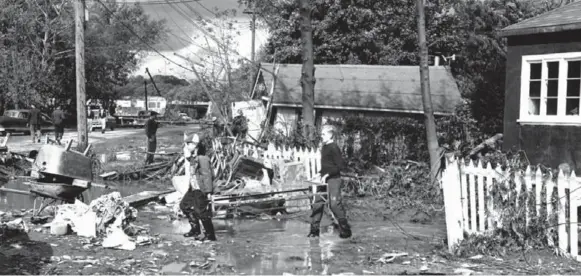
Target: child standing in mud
x=196, y=204
x=332, y=163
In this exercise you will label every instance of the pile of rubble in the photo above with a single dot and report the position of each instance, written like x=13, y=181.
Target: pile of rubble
x=108, y=218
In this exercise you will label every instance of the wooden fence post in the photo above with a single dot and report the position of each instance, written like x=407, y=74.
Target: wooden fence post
x=451, y=185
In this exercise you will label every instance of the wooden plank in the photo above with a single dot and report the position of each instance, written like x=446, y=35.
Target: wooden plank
x=145, y=197
x=562, y=184
x=464, y=193
x=14, y=191
x=481, y=208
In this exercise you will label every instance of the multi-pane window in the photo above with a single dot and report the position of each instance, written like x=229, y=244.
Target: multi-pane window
x=573, y=87
x=551, y=88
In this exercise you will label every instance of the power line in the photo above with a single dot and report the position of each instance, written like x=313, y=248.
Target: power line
x=142, y=40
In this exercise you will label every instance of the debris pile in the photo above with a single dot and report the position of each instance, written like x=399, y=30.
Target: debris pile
x=107, y=217
x=12, y=228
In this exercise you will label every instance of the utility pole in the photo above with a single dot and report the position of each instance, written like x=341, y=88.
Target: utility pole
x=145, y=86
x=308, y=70
x=253, y=28
x=429, y=120
x=80, y=74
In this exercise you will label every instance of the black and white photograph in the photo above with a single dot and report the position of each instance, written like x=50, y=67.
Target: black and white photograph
x=290, y=137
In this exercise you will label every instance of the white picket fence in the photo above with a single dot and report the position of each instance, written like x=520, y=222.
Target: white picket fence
x=311, y=158
x=470, y=208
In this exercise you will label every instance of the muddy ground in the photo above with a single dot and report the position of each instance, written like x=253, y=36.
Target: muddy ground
x=263, y=245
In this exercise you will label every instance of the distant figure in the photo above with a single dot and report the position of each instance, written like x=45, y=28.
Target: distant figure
x=103, y=118
x=58, y=117
x=240, y=125
x=34, y=123
x=90, y=117
x=151, y=131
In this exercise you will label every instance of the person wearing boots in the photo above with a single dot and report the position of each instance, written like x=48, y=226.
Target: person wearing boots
x=195, y=203
x=332, y=163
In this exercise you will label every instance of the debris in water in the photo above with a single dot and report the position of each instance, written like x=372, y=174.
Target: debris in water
x=389, y=257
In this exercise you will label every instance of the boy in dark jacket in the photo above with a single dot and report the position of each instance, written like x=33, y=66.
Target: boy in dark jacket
x=196, y=204
x=332, y=163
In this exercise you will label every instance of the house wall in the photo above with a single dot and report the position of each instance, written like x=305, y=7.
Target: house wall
x=547, y=145
x=286, y=117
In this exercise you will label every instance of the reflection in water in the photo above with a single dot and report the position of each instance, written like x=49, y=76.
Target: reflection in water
x=11, y=201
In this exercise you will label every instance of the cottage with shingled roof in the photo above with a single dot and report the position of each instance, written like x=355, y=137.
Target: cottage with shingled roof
x=543, y=87
x=342, y=90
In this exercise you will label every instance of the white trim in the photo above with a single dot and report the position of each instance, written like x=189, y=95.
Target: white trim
x=542, y=119
x=353, y=108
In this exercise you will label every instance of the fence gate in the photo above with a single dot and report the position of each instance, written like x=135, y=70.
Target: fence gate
x=470, y=208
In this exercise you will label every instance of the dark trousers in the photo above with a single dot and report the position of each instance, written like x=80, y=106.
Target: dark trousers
x=59, y=130
x=196, y=204
x=35, y=132
x=335, y=201
x=151, y=147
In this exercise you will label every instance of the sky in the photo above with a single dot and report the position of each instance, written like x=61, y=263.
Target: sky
x=184, y=37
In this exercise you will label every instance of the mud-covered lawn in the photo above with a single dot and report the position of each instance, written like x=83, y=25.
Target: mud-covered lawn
x=266, y=245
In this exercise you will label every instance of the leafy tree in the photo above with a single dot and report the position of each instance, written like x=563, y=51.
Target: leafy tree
x=385, y=33
x=37, y=54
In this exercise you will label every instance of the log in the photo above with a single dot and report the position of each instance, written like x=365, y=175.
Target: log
x=490, y=143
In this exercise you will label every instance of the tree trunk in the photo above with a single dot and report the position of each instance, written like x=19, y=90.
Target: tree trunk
x=308, y=71
x=430, y=122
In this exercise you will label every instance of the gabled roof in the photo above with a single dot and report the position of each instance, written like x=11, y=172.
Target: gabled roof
x=365, y=87
x=566, y=18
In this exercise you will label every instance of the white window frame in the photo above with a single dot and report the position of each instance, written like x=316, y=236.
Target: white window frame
x=560, y=118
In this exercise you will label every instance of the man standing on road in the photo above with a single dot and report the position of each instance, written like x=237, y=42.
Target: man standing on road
x=151, y=131
x=103, y=118
x=57, y=119
x=34, y=123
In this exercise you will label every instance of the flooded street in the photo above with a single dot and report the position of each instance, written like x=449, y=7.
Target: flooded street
x=274, y=247
x=12, y=201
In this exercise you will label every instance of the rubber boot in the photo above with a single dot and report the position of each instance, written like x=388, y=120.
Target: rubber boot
x=195, y=224
x=344, y=229
x=315, y=231
x=209, y=234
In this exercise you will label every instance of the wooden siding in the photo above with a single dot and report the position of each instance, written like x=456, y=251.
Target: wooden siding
x=539, y=142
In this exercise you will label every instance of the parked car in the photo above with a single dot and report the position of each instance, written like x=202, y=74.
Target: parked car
x=16, y=120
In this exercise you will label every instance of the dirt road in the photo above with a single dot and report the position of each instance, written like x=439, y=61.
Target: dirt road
x=23, y=143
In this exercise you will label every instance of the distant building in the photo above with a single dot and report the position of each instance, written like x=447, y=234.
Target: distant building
x=362, y=90
x=154, y=103
x=543, y=87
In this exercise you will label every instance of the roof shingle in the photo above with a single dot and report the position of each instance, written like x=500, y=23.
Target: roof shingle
x=360, y=87
x=566, y=18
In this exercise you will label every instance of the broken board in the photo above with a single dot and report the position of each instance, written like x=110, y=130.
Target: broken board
x=145, y=197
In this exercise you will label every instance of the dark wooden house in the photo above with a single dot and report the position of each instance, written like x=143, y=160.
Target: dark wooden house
x=543, y=87
x=360, y=90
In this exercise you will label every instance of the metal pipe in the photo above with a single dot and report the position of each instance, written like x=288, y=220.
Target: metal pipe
x=262, y=194
x=238, y=203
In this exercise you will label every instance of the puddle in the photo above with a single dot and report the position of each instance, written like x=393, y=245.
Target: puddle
x=272, y=247
x=11, y=201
